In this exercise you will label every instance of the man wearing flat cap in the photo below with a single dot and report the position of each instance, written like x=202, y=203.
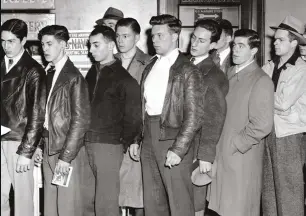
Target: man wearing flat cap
x=111, y=17
x=283, y=189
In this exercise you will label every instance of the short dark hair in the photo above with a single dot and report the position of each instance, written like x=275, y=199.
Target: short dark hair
x=18, y=27
x=107, y=32
x=253, y=38
x=58, y=31
x=174, y=23
x=129, y=22
x=226, y=26
x=212, y=26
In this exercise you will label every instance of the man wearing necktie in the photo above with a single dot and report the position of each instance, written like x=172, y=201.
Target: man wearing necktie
x=66, y=121
x=23, y=99
x=203, y=39
x=222, y=53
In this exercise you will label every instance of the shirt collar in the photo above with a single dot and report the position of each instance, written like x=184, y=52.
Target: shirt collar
x=225, y=52
x=172, y=56
x=60, y=64
x=15, y=59
x=291, y=60
x=241, y=68
x=198, y=59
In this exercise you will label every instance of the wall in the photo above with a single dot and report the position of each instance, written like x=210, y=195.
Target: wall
x=82, y=14
x=276, y=11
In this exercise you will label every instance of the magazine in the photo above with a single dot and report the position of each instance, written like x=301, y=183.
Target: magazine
x=62, y=180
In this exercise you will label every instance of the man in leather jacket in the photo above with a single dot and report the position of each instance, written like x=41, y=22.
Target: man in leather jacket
x=66, y=121
x=171, y=90
x=23, y=101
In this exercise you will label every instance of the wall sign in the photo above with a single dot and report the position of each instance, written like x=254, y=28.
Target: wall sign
x=207, y=14
x=27, y=4
x=77, y=49
x=35, y=22
x=210, y=1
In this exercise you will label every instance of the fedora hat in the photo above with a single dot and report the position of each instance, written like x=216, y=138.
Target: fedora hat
x=293, y=25
x=111, y=13
x=201, y=179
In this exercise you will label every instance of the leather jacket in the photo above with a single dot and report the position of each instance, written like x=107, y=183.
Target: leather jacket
x=23, y=99
x=182, y=111
x=68, y=113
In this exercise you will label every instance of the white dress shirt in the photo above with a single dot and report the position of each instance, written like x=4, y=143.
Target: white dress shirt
x=224, y=54
x=58, y=68
x=156, y=83
x=15, y=60
x=238, y=69
x=198, y=59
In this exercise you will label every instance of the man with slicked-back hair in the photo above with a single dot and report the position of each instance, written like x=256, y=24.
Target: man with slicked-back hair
x=171, y=90
x=66, y=121
x=23, y=102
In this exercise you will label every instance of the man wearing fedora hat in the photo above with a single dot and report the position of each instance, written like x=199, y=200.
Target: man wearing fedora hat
x=283, y=192
x=111, y=17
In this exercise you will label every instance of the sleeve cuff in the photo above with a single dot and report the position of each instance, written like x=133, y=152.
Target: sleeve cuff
x=242, y=147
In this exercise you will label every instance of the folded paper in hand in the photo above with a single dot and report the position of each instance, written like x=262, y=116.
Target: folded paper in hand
x=62, y=180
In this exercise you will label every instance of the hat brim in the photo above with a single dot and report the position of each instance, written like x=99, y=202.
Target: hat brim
x=101, y=21
x=302, y=40
x=200, y=179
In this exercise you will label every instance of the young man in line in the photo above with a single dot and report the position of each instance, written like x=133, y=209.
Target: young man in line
x=116, y=118
x=66, y=121
x=236, y=187
x=23, y=100
x=172, y=116
x=222, y=53
x=134, y=61
x=203, y=39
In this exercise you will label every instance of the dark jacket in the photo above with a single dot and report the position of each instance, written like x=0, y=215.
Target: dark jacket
x=23, y=100
x=226, y=64
x=216, y=84
x=138, y=64
x=115, y=105
x=68, y=113
x=182, y=111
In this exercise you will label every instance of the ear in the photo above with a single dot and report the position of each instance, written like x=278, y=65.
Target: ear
x=23, y=41
x=228, y=38
x=254, y=51
x=63, y=44
x=111, y=45
x=174, y=37
x=212, y=45
x=294, y=43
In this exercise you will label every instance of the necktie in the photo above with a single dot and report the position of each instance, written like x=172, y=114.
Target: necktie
x=10, y=63
x=192, y=60
x=217, y=59
x=50, y=75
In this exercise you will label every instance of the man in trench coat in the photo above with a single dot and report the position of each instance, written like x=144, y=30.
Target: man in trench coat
x=236, y=187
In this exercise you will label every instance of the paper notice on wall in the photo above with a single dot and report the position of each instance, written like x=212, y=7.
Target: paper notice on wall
x=77, y=49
